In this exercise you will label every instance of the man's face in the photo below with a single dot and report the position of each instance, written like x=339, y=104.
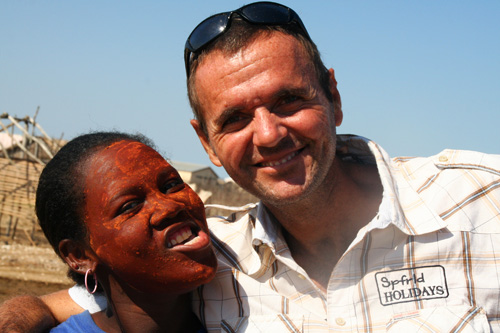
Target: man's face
x=268, y=121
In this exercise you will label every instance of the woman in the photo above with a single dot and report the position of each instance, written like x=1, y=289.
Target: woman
x=115, y=211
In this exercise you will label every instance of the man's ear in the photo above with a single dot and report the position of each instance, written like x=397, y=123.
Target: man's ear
x=205, y=142
x=76, y=256
x=337, y=102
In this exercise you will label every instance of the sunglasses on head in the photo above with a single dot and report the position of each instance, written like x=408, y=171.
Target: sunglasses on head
x=265, y=13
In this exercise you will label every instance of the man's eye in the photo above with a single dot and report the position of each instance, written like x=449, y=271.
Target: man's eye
x=290, y=99
x=172, y=186
x=232, y=120
x=234, y=123
x=288, y=104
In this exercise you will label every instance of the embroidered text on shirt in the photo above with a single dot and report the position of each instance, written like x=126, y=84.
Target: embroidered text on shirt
x=411, y=284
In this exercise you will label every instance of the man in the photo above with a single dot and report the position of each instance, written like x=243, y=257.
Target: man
x=344, y=238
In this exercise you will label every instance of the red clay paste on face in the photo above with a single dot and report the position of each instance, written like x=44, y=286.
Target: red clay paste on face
x=136, y=204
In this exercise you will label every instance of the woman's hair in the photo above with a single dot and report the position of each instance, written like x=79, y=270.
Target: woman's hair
x=60, y=198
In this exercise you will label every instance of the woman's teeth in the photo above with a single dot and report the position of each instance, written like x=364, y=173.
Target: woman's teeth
x=179, y=236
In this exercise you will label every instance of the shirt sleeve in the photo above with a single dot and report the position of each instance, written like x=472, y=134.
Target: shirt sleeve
x=91, y=302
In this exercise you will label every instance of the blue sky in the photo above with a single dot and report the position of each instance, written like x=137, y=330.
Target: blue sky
x=414, y=76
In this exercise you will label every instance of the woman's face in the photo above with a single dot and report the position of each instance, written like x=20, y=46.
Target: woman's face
x=145, y=224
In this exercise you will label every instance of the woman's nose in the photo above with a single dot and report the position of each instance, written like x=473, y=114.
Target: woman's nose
x=165, y=209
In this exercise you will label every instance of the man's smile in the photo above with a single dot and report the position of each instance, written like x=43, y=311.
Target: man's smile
x=279, y=161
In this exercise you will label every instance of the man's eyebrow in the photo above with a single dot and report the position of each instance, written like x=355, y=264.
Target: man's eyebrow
x=307, y=92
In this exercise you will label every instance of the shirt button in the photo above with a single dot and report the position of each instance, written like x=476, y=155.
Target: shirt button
x=302, y=277
x=340, y=321
x=443, y=158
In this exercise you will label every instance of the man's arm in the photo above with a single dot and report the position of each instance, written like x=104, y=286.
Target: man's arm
x=36, y=314
x=61, y=305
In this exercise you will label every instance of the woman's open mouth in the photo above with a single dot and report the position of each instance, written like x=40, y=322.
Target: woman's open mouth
x=186, y=237
x=182, y=236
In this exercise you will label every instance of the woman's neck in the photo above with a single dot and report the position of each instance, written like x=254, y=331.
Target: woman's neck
x=147, y=313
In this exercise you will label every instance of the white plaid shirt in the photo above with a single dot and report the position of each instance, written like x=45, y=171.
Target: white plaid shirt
x=429, y=261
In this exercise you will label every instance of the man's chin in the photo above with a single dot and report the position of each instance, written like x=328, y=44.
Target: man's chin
x=283, y=195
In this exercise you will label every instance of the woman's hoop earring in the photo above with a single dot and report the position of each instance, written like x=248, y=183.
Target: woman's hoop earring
x=95, y=280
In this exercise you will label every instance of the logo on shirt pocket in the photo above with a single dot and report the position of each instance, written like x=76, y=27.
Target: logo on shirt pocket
x=411, y=284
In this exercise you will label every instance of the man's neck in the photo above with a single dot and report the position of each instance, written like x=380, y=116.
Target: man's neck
x=320, y=229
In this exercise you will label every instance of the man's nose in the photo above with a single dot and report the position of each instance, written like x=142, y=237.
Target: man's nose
x=268, y=128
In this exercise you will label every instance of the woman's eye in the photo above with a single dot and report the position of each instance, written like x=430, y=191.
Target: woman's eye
x=172, y=186
x=128, y=207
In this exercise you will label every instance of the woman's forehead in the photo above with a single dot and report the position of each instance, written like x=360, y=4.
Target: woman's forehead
x=126, y=157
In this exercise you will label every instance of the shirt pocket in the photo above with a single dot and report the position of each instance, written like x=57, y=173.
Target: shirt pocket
x=441, y=319
x=271, y=323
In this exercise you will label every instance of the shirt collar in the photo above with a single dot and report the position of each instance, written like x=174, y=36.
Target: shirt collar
x=398, y=194
x=266, y=230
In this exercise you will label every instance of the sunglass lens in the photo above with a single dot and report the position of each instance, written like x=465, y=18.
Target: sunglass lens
x=208, y=30
x=266, y=13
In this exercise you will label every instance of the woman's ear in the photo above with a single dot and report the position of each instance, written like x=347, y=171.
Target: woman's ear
x=76, y=256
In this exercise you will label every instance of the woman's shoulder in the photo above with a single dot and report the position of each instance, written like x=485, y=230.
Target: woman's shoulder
x=81, y=322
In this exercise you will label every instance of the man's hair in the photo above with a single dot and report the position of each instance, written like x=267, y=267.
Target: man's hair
x=60, y=198
x=240, y=34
